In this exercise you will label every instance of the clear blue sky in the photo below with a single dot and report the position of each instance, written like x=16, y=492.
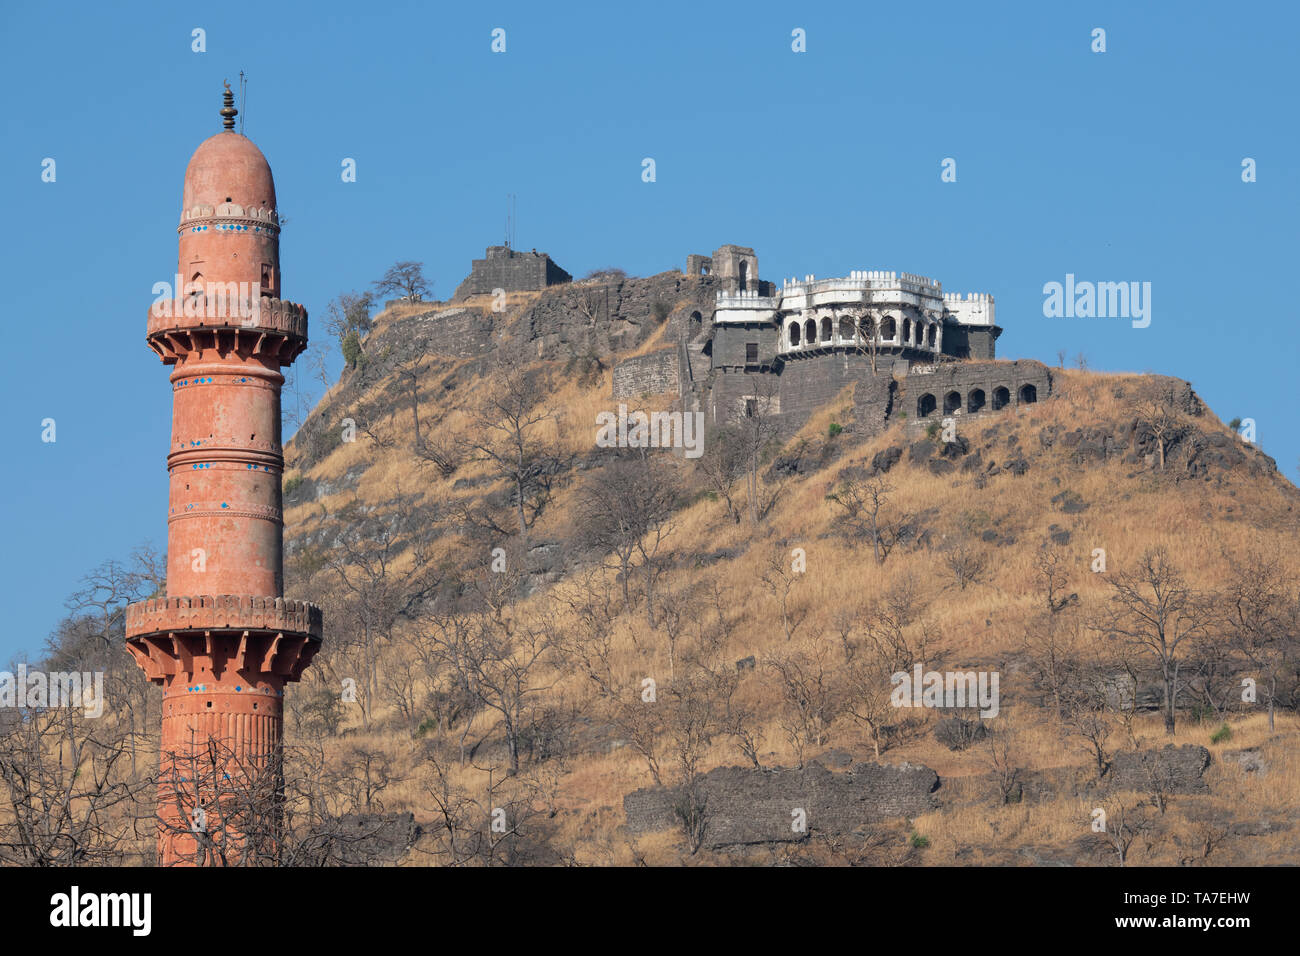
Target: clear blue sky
x=1117, y=166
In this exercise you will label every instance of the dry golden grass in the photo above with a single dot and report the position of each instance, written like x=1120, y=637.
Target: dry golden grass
x=1130, y=509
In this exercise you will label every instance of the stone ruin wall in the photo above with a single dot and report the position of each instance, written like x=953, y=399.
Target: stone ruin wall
x=511, y=270
x=651, y=374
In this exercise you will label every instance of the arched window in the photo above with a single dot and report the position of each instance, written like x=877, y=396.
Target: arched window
x=794, y=333
x=744, y=274
x=810, y=332
x=888, y=328
x=907, y=330
x=867, y=326
x=975, y=400
x=826, y=329
x=846, y=328
x=1028, y=394
x=1001, y=397
x=951, y=402
x=934, y=329
x=925, y=405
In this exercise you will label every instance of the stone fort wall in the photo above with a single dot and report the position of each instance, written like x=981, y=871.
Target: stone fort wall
x=971, y=388
x=895, y=391
x=651, y=374
x=511, y=270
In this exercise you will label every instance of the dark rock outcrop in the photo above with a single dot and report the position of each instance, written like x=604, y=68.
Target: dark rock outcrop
x=371, y=839
x=1175, y=769
x=741, y=806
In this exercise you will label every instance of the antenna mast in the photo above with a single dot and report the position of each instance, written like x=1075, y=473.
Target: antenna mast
x=510, y=220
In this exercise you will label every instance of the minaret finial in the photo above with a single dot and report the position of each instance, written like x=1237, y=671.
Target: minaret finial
x=228, y=111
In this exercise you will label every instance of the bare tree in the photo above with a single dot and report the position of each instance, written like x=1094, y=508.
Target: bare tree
x=966, y=562
x=1125, y=822
x=693, y=719
x=678, y=607
x=383, y=575
x=505, y=433
x=1152, y=403
x=780, y=578
x=808, y=684
x=724, y=463
x=497, y=655
x=1051, y=645
x=408, y=372
x=757, y=429
x=367, y=772
x=867, y=341
x=865, y=501
x=1051, y=568
x=1093, y=725
x=868, y=700
x=1004, y=762
x=68, y=794
x=1261, y=611
x=405, y=279
x=1153, y=611
x=895, y=631
x=626, y=510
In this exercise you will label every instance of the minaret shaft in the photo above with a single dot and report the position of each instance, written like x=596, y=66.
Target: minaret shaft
x=223, y=642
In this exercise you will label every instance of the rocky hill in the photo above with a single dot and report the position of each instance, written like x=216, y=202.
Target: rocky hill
x=583, y=654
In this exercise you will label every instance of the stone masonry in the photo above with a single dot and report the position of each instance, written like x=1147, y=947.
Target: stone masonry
x=511, y=270
x=651, y=374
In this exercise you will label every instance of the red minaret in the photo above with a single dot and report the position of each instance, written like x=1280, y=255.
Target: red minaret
x=224, y=641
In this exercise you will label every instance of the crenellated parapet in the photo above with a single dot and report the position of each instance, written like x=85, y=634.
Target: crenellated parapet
x=231, y=211
x=224, y=612
x=221, y=316
x=973, y=308
x=216, y=307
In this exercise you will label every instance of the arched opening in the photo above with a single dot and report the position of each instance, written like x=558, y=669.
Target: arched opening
x=794, y=333
x=951, y=402
x=846, y=328
x=907, y=330
x=888, y=328
x=975, y=400
x=1000, y=398
x=1028, y=394
x=931, y=337
x=926, y=405
x=744, y=274
x=867, y=326
x=826, y=329
x=810, y=332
